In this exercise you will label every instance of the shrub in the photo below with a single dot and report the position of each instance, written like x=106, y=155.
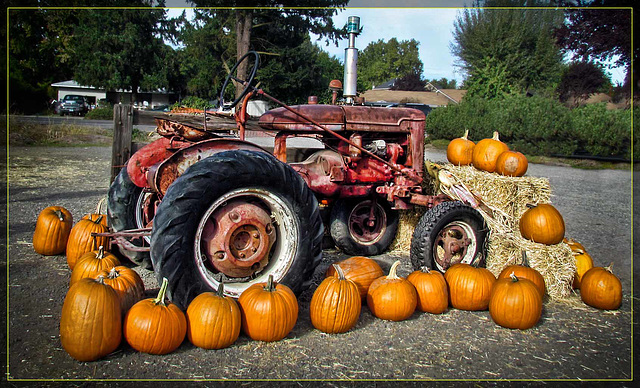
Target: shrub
x=192, y=102
x=603, y=132
x=100, y=113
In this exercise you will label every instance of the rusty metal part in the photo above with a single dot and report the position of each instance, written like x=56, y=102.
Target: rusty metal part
x=175, y=165
x=323, y=172
x=367, y=222
x=168, y=127
x=152, y=153
x=451, y=245
x=237, y=238
x=122, y=238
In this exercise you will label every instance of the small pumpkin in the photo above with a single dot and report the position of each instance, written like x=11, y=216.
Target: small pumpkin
x=269, y=311
x=469, y=286
x=52, y=231
x=460, y=150
x=543, y=224
x=92, y=263
x=361, y=270
x=431, y=287
x=155, y=326
x=601, y=289
x=126, y=282
x=515, y=303
x=91, y=320
x=512, y=163
x=213, y=320
x=486, y=152
x=524, y=271
x=96, y=215
x=335, y=304
x=81, y=241
x=392, y=297
x=584, y=262
x=573, y=244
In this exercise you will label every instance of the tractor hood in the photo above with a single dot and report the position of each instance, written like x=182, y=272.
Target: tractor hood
x=341, y=118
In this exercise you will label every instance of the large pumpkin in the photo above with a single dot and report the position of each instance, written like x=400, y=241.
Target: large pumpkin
x=460, y=150
x=543, y=224
x=600, y=288
x=392, y=297
x=91, y=321
x=512, y=163
x=92, y=263
x=524, y=271
x=52, y=231
x=126, y=282
x=515, y=303
x=336, y=303
x=155, y=326
x=584, y=262
x=81, y=241
x=269, y=311
x=431, y=287
x=469, y=286
x=213, y=320
x=361, y=270
x=486, y=152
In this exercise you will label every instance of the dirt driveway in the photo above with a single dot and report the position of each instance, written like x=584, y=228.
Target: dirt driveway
x=572, y=341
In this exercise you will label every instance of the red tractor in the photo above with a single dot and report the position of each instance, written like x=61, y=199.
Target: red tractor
x=202, y=206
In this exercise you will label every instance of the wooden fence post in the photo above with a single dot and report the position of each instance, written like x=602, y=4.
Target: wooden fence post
x=122, y=134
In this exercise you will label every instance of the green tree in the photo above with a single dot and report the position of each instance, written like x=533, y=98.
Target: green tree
x=382, y=61
x=121, y=48
x=411, y=82
x=444, y=83
x=580, y=80
x=505, y=51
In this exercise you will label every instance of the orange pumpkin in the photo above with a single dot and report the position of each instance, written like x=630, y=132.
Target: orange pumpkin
x=515, y=303
x=81, y=241
x=469, y=286
x=155, y=326
x=92, y=263
x=52, y=231
x=213, y=320
x=94, y=216
x=524, y=271
x=392, y=297
x=460, y=150
x=126, y=282
x=512, y=163
x=573, y=244
x=431, y=287
x=91, y=321
x=486, y=152
x=543, y=224
x=269, y=311
x=601, y=289
x=360, y=270
x=335, y=305
x=584, y=262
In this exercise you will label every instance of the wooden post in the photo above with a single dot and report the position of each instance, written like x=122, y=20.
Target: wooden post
x=122, y=134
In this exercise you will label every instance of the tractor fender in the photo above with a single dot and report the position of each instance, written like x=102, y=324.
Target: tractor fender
x=164, y=173
x=149, y=155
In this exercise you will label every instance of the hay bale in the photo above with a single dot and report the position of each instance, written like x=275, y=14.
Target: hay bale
x=508, y=198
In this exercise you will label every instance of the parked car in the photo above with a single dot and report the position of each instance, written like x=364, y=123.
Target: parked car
x=74, y=104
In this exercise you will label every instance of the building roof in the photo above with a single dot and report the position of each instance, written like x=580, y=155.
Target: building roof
x=74, y=84
x=428, y=98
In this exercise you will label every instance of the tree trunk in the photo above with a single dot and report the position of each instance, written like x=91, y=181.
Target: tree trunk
x=243, y=35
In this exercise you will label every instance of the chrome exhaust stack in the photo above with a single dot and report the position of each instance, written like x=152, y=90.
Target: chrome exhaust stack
x=351, y=60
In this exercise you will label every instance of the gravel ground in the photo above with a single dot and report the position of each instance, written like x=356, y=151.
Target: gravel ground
x=571, y=342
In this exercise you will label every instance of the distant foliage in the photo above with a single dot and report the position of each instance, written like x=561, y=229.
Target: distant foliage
x=192, y=102
x=410, y=82
x=537, y=125
x=444, y=83
x=101, y=113
x=580, y=80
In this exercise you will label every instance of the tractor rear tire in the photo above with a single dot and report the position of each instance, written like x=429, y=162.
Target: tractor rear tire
x=122, y=200
x=468, y=234
x=177, y=239
x=350, y=229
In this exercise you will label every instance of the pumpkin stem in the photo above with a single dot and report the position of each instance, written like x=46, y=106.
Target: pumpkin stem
x=60, y=214
x=271, y=285
x=100, y=279
x=496, y=136
x=525, y=260
x=339, y=271
x=220, y=291
x=531, y=205
x=100, y=254
x=97, y=221
x=610, y=268
x=425, y=269
x=466, y=135
x=163, y=290
x=513, y=276
x=100, y=203
x=392, y=272
x=577, y=251
x=113, y=273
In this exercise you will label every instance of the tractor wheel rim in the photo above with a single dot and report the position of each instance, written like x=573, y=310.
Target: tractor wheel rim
x=283, y=249
x=455, y=243
x=142, y=205
x=362, y=228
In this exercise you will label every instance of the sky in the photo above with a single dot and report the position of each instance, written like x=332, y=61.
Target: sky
x=429, y=22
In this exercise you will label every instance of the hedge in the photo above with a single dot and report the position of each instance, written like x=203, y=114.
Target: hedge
x=537, y=126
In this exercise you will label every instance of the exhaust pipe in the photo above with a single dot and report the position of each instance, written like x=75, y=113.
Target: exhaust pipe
x=351, y=60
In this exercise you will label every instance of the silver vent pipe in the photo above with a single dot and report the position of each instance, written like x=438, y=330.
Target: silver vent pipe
x=351, y=60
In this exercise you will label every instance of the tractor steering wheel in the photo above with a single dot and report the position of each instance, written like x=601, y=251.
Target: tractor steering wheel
x=247, y=83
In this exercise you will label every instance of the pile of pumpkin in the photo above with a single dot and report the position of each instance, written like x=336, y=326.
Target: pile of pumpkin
x=105, y=300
